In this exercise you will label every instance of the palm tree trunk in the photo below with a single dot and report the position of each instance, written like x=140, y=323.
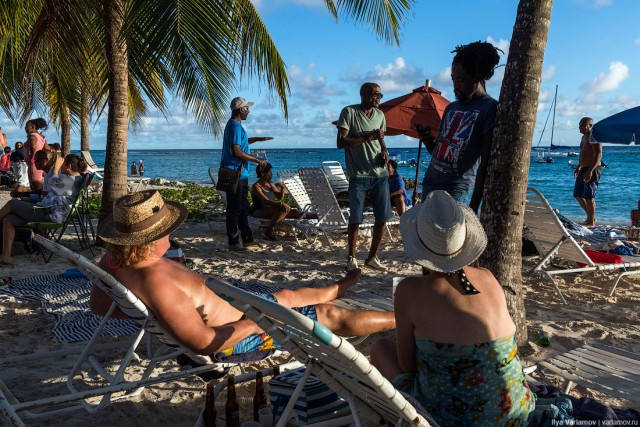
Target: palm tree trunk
x=65, y=130
x=508, y=170
x=84, y=120
x=115, y=166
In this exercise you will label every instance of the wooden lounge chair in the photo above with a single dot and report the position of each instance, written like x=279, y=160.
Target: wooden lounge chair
x=330, y=358
x=552, y=241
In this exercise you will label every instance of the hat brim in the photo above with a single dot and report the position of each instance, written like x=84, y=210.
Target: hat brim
x=474, y=244
x=176, y=215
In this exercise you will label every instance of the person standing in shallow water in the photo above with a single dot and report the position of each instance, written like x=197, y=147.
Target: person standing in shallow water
x=460, y=153
x=141, y=168
x=134, y=168
x=588, y=172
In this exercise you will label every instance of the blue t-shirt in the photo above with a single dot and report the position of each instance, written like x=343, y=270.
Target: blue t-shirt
x=234, y=134
x=395, y=183
x=458, y=148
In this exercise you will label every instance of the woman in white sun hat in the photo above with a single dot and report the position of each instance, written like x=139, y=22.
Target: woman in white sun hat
x=455, y=350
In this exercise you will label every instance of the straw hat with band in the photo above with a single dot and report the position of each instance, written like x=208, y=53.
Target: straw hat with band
x=140, y=218
x=441, y=234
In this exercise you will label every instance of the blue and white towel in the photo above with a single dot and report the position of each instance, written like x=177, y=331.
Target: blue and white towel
x=593, y=235
x=67, y=298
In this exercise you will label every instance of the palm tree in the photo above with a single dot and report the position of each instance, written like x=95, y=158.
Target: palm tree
x=196, y=48
x=506, y=182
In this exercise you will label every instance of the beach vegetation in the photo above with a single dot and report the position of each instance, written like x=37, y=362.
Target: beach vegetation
x=195, y=49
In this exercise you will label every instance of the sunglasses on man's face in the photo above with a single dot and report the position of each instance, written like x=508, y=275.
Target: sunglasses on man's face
x=376, y=95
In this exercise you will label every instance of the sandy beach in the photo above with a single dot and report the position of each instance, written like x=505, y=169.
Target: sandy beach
x=24, y=328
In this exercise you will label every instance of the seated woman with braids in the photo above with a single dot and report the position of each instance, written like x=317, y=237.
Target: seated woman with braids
x=64, y=184
x=455, y=350
x=268, y=201
x=460, y=153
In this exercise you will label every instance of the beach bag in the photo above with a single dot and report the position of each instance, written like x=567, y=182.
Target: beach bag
x=317, y=402
x=228, y=180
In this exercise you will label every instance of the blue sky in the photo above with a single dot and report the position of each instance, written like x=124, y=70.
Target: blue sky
x=593, y=55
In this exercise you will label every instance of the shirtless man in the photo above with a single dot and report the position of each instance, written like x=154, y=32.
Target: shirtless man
x=137, y=236
x=588, y=172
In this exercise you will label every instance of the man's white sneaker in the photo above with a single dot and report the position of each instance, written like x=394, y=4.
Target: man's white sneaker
x=375, y=264
x=352, y=263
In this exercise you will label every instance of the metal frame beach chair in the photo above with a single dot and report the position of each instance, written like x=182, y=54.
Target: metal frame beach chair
x=552, y=240
x=598, y=367
x=330, y=216
x=112, y=385
x=330, y=358
x=336, y=176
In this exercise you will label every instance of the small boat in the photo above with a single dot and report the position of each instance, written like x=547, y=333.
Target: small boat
x=573, y=164
x=543, y=156
x=411, y=163
x=261, y=154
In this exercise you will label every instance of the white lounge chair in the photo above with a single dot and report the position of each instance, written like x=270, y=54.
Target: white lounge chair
x=331, y=218
x=336, y=176
x=327, y=356
x=86, y=155
x=81, y=380
x=598, y=367
x=552, y=240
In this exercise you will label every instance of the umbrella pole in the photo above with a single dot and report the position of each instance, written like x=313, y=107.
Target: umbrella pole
x=415, y=188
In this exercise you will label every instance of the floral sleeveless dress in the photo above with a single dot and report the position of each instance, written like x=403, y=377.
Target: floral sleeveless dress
x=470, y=385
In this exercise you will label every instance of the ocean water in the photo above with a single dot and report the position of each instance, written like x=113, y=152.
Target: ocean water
x=617, y=195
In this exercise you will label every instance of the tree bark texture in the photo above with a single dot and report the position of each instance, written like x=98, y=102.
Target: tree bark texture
x=115, y=167
x=84, y=121
x=508, y=170
x=65, y=130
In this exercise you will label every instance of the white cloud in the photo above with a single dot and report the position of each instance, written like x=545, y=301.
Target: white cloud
x=501, y=44
x=608, y=82
x=310, y=88
x=549, y=73
x=595, y=4
x=444, y=76
x=397, y=76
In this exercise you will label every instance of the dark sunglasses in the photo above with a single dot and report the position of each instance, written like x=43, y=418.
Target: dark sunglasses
x=376, y=95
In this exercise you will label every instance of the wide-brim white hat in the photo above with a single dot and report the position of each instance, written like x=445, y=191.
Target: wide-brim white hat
x=441, y=234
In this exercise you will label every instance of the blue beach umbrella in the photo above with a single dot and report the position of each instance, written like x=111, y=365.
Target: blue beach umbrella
x=621, y=128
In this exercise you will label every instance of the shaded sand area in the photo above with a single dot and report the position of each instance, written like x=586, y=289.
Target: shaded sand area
x=24, y=328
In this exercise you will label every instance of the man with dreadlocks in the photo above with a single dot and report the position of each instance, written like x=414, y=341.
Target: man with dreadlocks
x=460, y=153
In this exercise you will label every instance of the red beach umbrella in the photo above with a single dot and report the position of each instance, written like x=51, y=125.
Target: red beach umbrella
x=423, y=106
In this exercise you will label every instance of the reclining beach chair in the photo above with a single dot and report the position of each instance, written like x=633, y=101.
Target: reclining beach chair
x=78, y=216
x=331, y=218
x=332, y=359
x=336, y=176
x=124, y=382
x=598, y=367
x=93, y=167
x=552, y=240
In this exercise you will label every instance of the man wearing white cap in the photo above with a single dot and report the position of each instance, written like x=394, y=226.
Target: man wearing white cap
x=235, y=156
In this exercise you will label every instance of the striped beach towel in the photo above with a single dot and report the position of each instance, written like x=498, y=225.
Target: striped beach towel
x=67, y=298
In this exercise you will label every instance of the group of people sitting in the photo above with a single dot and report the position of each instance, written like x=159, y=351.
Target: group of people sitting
x=62, y=181
x=458, y=358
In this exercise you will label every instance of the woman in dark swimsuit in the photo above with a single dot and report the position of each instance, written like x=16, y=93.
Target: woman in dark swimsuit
x=268, y=201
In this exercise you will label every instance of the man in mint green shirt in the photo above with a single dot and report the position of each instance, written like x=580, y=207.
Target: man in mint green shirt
x=361, y=133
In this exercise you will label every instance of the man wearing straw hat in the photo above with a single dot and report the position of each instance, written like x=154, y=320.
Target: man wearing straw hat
x=137, y=236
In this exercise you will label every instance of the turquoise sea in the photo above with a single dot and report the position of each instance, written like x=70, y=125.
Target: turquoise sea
x=618, y=194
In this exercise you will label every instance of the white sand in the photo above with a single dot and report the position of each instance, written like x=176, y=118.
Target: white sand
x=24, y=328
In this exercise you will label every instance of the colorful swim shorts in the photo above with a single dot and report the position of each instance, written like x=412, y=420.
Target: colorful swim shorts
x=264, y=341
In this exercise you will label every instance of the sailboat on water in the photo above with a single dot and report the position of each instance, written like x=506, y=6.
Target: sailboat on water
x=547, y=154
